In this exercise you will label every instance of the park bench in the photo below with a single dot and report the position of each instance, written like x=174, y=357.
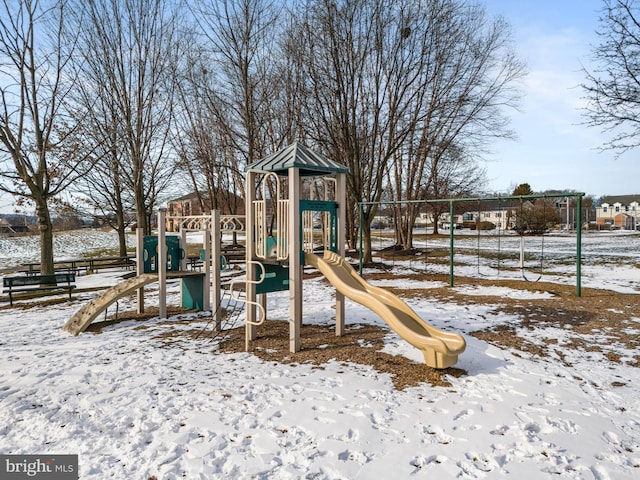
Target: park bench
x=94, y=264
x=38, y=283
x=86, y=264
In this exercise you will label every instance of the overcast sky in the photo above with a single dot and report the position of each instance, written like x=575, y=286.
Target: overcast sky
x=553, y=150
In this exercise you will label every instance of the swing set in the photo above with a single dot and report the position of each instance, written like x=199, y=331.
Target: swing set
x=522, y=227
x=502, y=225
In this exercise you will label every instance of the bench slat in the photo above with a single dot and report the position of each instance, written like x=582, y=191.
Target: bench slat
x=33, y=283
x=38, y=280
x=41, y=287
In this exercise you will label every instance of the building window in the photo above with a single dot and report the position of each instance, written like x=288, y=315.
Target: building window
x=617, y=208
x=604, y=209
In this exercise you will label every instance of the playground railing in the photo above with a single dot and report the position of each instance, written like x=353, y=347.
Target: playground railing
x=262, y=315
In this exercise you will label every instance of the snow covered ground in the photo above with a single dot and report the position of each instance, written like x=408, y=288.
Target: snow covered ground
x=134, y=406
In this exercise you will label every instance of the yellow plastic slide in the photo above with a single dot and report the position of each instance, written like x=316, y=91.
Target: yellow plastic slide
x=440, y=348
x=90, y=311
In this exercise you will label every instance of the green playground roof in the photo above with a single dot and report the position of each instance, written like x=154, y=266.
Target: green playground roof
x=297, y=155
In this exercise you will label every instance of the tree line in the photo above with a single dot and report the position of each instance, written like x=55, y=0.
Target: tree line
x=115, y=102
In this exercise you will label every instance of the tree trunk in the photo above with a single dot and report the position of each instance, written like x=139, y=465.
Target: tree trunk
x=45, y=229
x=407, y=222
x=436, y=219
x=367, y=256
x=368, y=214
x=141, y=210
x=351, y=230
x=121, y=228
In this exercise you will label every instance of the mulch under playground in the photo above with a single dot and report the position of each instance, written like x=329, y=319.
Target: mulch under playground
x=601, y=312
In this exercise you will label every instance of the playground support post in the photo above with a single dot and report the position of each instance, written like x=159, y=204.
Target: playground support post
x=140, y=265
x=360, y=215
x=341, y=198
x=206, y=265
x=214, y=254
x=250, y=251
x=295, y=263
x=451, y=242
x=579, y=246
x=162, y=264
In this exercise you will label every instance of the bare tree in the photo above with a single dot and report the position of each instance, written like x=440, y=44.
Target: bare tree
x=613, y=86
x=104, y=194
x=353, y=105
x=457, y=175
x=37, y=160
x=129, y=51
x=536, y=217
x=205, y=156
x=467, y=72
x=241, y=40
x=231, y=96
x=393, y=85
x=103, y=191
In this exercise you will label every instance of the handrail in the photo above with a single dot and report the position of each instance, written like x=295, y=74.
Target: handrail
x=228, y=223
x=262, y=315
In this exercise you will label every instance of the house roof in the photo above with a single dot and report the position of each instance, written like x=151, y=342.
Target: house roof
x=188, y=196
x=225, y=201
x=297, y=155
x=622, y=199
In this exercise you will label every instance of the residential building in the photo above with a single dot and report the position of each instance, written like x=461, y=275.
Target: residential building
x=500, y=213
x=619, y=212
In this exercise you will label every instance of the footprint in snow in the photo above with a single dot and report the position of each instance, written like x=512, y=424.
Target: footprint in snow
x=562, y=424
x=325, y=420
x=422, y=461
x=355, y=456
x=435, y=434
x=611, y=438
x=464, y=414
x=599, y=473
x=500, y=430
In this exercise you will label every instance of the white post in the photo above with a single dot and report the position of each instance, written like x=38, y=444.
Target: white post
x=206, y=265
x=250, y=328
x=216, y=250
x=341, y=198
x=522, y=250
x=140, y=265
x=162, y=264
x=295, y=265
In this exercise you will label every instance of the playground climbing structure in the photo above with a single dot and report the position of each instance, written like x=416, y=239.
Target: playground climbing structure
x=295, y=205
